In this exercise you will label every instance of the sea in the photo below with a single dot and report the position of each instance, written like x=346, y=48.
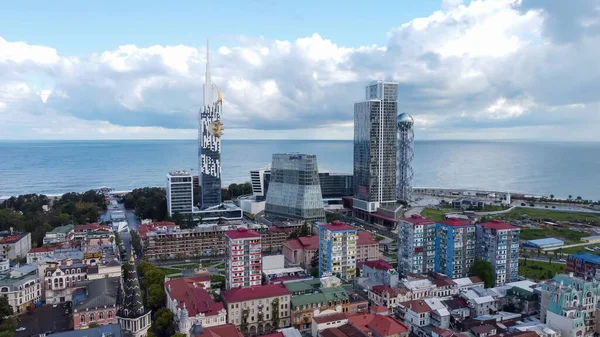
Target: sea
x=540, y=168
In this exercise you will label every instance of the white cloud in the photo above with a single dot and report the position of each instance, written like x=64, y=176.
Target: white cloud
x=490, y=65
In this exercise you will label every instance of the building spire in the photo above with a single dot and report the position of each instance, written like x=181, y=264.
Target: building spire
x=208, y=88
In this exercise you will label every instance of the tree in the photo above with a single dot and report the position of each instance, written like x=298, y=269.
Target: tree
x=163, y=323
x=93, y=325
x=305, y=230
x=156, y=296
x=5, y=309
x=179, y=335
x=293, y=235
x=484, y=270
x=551, y=196
x=136, y=242
x=314, y=266
x=570, y=197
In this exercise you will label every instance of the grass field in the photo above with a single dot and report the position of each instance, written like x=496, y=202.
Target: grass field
x=566, y=235
x=434, y=214
x=539, y=270
x=169, y=270
x=534, y=213
x=186, y=266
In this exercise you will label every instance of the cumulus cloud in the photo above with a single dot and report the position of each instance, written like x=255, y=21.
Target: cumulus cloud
x=486, y=69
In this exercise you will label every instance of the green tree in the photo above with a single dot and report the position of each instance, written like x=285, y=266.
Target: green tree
x=485, y=271
x=179, y=335
x=136, y=242
x=551, y=196
x=156, y=296
x=314, y=266
x=305, y=230
x=5, y=309
x=163, y=323
x=93, y=325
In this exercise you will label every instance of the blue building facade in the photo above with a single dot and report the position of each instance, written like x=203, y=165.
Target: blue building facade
x=454, y=247
x=337, y=250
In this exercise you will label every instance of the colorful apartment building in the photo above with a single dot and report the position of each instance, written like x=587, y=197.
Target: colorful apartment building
x=243, y=258
x=416, y=245
x=337, y=252
x=455, y=247
x=498, y=243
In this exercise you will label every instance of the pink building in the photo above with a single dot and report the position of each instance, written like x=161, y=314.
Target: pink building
x=97, y=304
x=301, y=250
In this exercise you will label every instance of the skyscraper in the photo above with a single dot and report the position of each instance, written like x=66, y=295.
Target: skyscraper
x=375, y=147
x=209, y=143
x=179, y=193
x=294, y=189
x=404, y=157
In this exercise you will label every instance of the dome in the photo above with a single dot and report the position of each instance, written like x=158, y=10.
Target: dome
x=405, y=118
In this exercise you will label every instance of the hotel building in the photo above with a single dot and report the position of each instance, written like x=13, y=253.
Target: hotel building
x=179, y=193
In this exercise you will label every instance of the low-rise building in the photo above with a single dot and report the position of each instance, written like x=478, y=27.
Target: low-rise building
x=367, y=248
x=13, y=245
x=258, y=309
x=108, y=330
x=43, y=255
x=61, y=234
x=226, y=330
x=380, y=272
x=96, y=303
x=191, y=304
x=415, y=313
x=62, y=278
x=377, y=325
x=21, y=287
x=482, y=301
x=301, y=250
x=583, y=265
x=384, y=295
x=327, y=321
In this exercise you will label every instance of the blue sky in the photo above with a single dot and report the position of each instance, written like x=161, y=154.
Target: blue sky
x=83, y=27
x=480, y=69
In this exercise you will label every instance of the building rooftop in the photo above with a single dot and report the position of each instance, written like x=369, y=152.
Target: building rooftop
x=455, y=222
x=304, y=242
x=226, y=330
x=179, y=173
x=546, y=241
x=380, y=289
x=498, y=225
x=381, y=324
x=417, y=219
x=346, y=330
x=443, y=282
x=193, y=295
x=365, y=238
x=41, y=249
x=242, y=233
x=338, y=316
x=255, y=292
x=88, y=227
x=100, y=293
x=585, y=257
x=12, y=238
x=110, y=330
x=61, y=229
x=338, y=226
x=378, y=264
x=379, y=309
x=480, y=329
x=418, y=306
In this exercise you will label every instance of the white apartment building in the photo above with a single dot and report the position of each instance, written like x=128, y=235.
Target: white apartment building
x=337, y=242
x=180, y=193
x=498, y=242
x=62, y=278
x=416, y=245
x=243, y=257
x=21, y=287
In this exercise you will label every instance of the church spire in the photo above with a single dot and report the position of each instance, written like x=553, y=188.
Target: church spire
x=132, y=305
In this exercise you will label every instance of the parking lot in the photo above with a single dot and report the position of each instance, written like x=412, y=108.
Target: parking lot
x=43, y=319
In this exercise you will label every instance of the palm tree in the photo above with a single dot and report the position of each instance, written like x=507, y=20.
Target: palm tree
x=551, y=196
x=570, y=197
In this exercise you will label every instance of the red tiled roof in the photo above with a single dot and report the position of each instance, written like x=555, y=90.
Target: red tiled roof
x=455, y=222
x=378, y=264
x=475, y=279
x=380, y=289
x=91, y=226
x=144, y=229
x=242, y=233
x=310, y=242
x=418, y=219
x=443, y=282
x=226, y=330
x=378, y=308
x=196, y=299
x=386, y=326
x=382, y=325
x=255, y=292
x=447, y=332
x=365, y=238
x=42, y=249
x=337, y=225
x=346, y=330
x=12, y=238
x=497, y=224
x=338, y=316
x=418, y=306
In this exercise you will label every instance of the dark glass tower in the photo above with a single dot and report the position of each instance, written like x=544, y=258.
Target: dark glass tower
x=375, y=147
x=209, y=144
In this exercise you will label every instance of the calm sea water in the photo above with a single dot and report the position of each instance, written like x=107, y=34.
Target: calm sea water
x=529, y=167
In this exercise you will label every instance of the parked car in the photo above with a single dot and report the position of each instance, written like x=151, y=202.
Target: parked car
x=21, y=329
x=562, y=260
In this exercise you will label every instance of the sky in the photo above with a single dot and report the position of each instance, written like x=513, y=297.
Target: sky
x=493, y=69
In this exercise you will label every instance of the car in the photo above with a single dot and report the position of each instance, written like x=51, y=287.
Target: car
x=54, y=305
x=562, y=260
x=21, y=329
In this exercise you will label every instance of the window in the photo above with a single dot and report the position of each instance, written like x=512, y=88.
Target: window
x=109, y=314
x=101, y=315
x=91, y=317
x=82, y=319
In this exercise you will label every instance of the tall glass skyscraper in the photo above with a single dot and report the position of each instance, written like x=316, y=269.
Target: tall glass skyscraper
x=375, y=147
x=294, y=190
x=209, y=144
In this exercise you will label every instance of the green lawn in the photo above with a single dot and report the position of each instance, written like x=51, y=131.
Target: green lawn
x=186, y=266
x=534, y=213
x=539, y=270
x=493, y=208
x=581, y=249
x=169, y=270
x=435, y=214
x=560, y=233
